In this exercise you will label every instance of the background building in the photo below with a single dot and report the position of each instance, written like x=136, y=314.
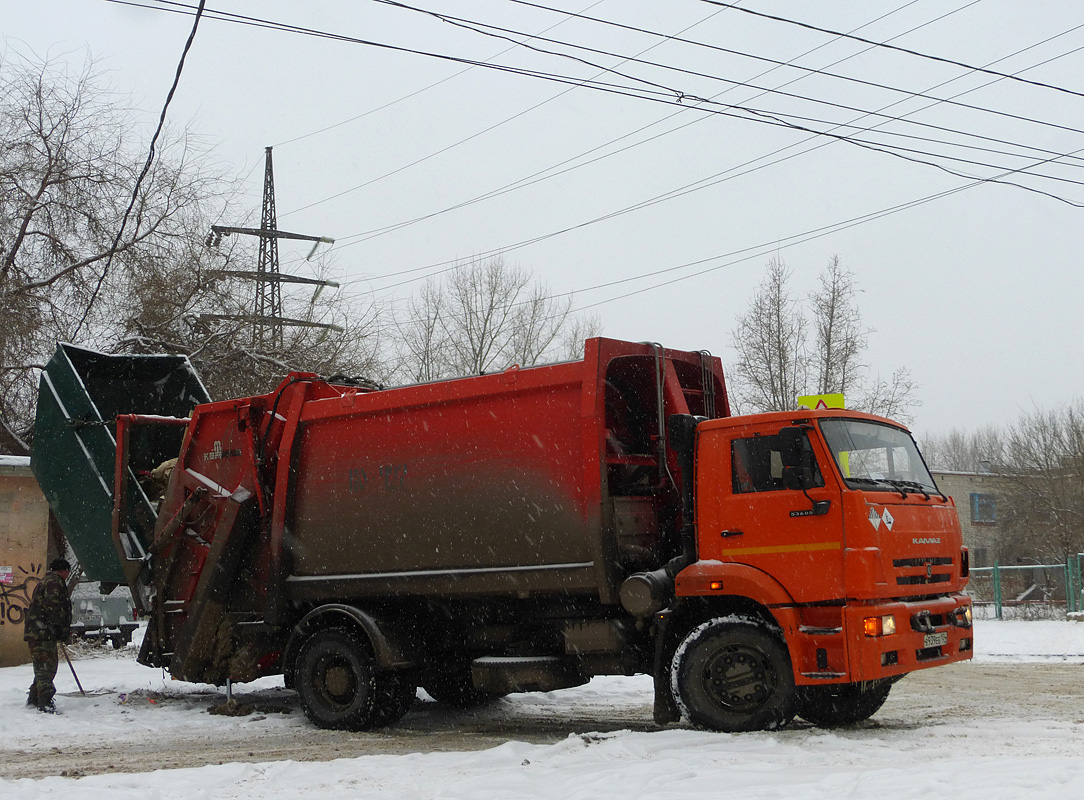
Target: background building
x=28, y=541
x=976, y=496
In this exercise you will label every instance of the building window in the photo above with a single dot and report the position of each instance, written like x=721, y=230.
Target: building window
x=983, y=509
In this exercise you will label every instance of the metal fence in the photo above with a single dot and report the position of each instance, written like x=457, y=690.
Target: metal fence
x=1028, y=591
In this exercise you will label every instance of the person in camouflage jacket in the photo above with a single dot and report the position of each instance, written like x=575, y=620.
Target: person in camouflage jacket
x=48, y=621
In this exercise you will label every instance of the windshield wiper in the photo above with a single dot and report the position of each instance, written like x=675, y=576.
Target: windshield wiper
x=924, y=488
x=876, y=482
x=919, y=487
x=900, y=486
x=903, y=486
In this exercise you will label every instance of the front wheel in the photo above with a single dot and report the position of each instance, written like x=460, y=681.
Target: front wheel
x=734, y=674
x=842, y=704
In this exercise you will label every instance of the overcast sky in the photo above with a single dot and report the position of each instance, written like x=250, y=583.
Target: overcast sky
x=977, y=289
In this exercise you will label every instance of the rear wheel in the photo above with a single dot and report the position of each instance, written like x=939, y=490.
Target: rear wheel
x=734, y=674
x=340, y=687
x=843, y=703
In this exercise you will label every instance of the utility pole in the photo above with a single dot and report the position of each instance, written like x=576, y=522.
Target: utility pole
x=267, y=319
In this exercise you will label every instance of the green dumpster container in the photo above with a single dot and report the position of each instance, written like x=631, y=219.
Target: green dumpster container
x=74, y=449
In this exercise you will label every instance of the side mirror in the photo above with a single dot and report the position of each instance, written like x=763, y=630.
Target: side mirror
x=790, y=447
x=796, y=476
x=794, y=479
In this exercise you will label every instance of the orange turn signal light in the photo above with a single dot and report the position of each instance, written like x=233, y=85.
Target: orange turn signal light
x=879, y=626
x=715, y=585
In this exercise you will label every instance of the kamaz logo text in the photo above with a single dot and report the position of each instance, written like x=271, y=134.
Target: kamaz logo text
x=931, y=540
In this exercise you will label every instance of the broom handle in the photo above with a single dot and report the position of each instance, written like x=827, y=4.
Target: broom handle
x=64, y=650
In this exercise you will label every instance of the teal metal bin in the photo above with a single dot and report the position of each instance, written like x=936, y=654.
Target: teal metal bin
x=74, y=449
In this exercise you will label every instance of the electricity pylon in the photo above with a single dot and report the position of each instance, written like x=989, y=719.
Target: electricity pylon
x=267, y=319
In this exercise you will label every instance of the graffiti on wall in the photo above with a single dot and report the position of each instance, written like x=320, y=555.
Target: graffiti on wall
x=17, y=586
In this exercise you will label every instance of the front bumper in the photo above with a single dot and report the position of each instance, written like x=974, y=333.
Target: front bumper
x=831, y=644
x=929, y=633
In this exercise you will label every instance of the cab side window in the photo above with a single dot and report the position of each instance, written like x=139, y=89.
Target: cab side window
x=757, y=464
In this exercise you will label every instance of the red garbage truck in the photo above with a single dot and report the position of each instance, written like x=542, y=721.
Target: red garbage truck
x=529, y=529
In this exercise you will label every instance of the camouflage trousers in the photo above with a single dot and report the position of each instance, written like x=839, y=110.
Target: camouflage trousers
x=43, y=652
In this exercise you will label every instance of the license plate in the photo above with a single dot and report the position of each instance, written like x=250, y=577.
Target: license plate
x=935, y=639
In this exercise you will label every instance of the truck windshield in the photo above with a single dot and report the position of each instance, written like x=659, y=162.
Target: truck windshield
x=870, y=454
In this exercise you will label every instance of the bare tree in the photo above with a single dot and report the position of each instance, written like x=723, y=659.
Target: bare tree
x=1039, y=464
x=1044, y=452
x=483, y=316
x=892, y=398
x=189, y=306
x=580, y=328
x=981, y=451
x=950, y=452
x=68, y=165
x=70, y=155
x=839, y=337
x=776, y=363
x=771, y=368
x=423, y=347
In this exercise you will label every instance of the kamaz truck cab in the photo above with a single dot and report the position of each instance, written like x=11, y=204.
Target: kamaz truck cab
x=831, y=521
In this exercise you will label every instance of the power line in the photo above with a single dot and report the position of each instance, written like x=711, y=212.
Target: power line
x=905, y=50
x=504, y=121
x=420, y=91
x=890, y=150
x=146, y=168
x=762, y=249
x=766, y=248
x=449, y=265
x=705, y=182
x=479, y=27
x=645, y=94
x=776, y=91
x=808, y=70
x=541, y=175
x=612, y=88
x=637, y=60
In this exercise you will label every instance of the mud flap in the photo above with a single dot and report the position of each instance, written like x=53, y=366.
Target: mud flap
x=665, y=710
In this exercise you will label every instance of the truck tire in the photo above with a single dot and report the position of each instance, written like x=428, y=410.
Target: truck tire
x=841, y=703
x=454, y=687
x=340, y=687
x=734, y=674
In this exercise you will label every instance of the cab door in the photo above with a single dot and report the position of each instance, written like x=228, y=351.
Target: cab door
x=745, y=513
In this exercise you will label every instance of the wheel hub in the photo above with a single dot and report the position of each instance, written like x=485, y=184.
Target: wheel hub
x=739, y=677
x=339, y=684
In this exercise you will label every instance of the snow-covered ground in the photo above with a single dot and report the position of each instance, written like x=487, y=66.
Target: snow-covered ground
x=907, y=751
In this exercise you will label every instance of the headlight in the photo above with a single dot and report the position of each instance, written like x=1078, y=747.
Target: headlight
x=879, y=626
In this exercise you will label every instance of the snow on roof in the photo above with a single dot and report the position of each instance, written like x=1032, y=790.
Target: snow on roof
x=14, y=461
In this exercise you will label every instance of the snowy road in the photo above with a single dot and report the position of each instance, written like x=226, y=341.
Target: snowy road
x=1010, y=724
